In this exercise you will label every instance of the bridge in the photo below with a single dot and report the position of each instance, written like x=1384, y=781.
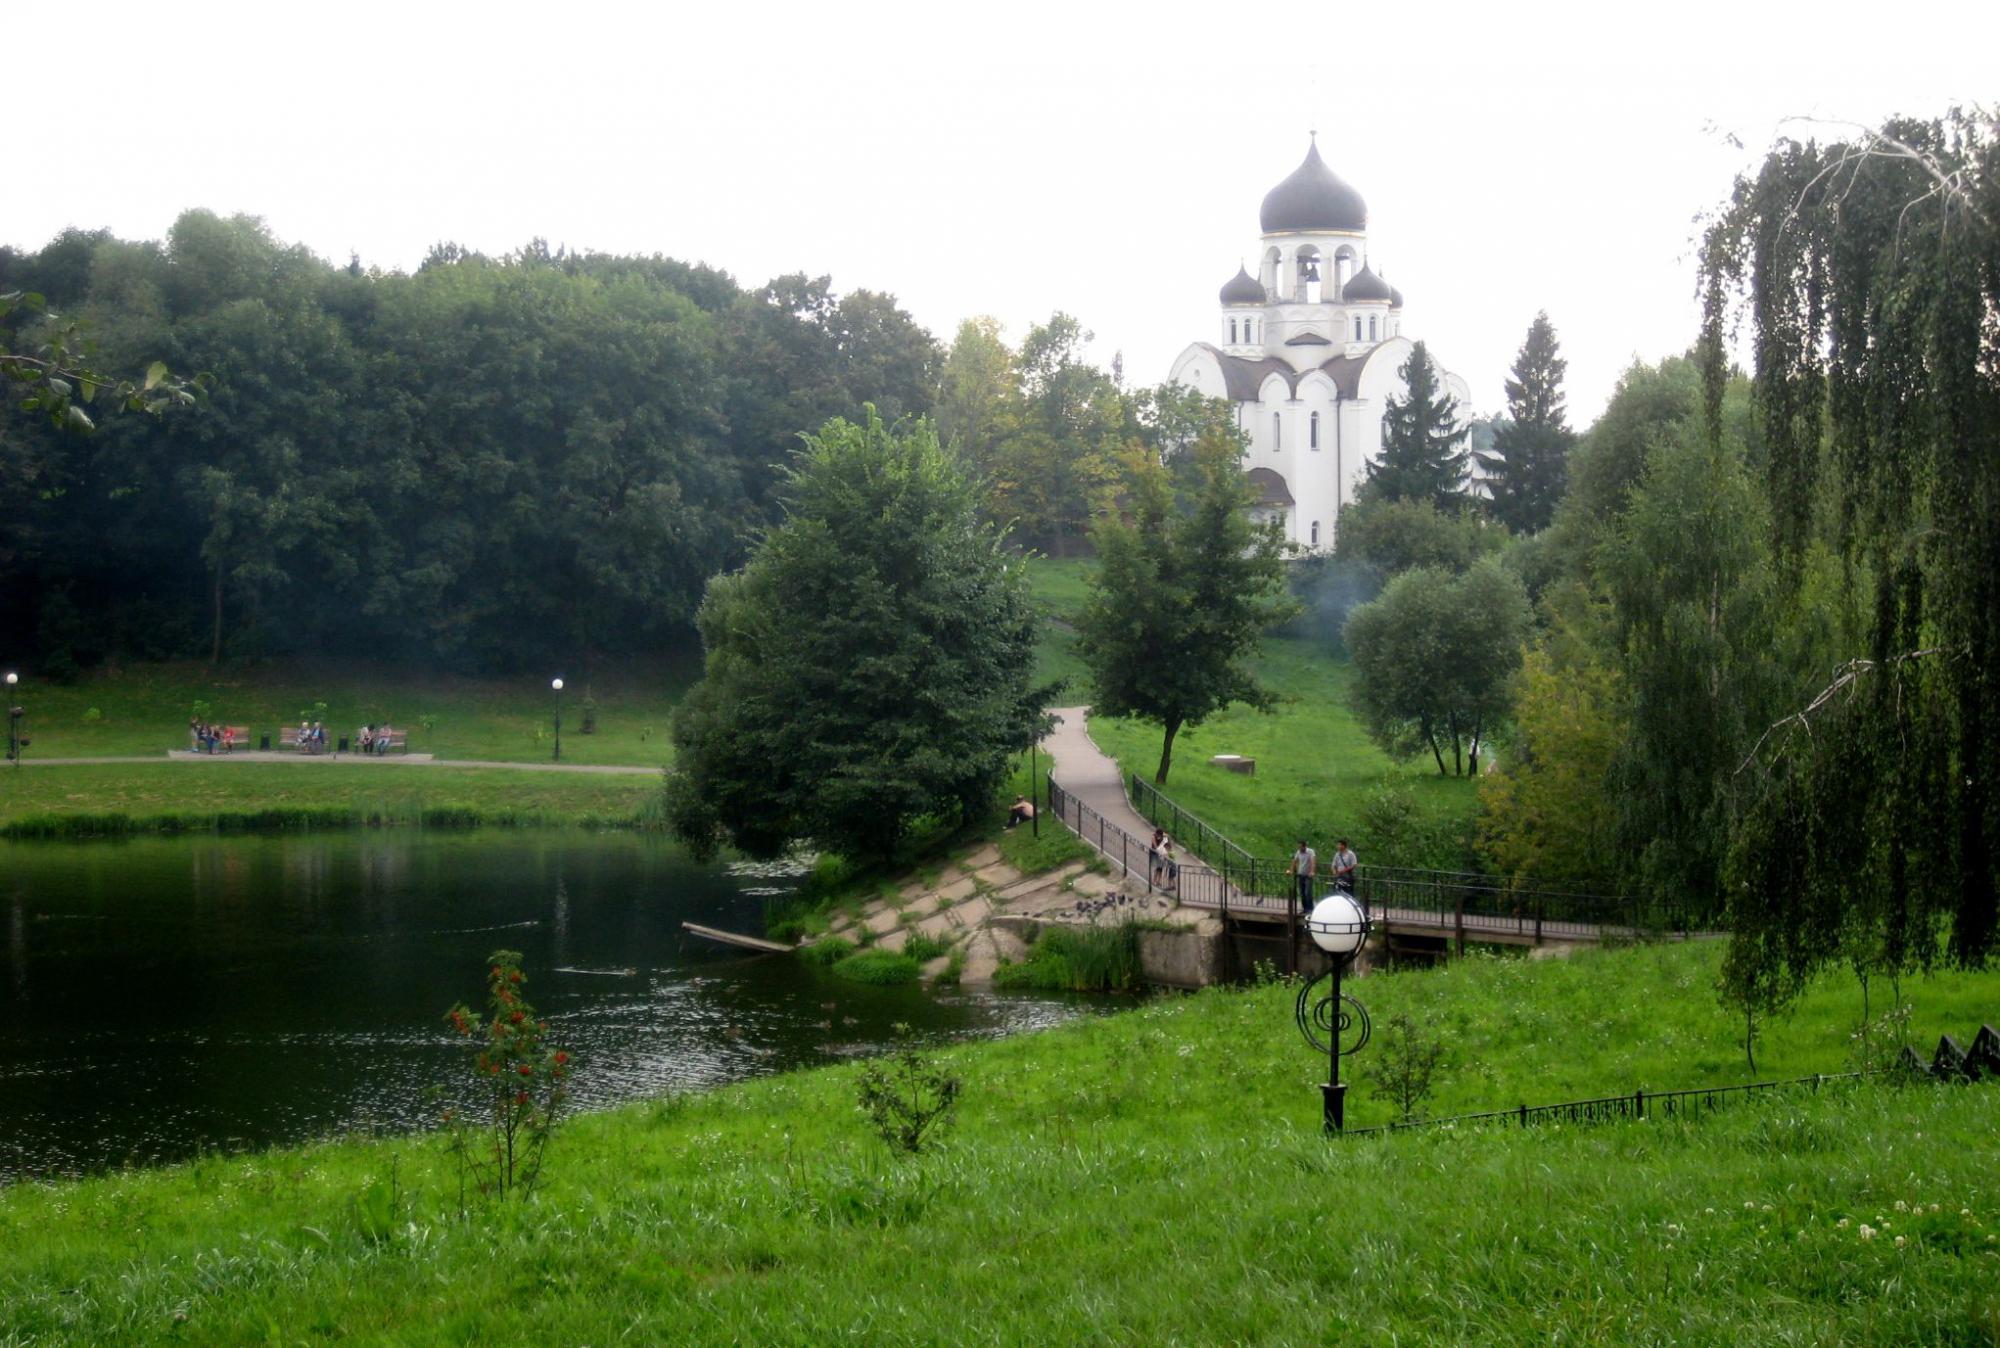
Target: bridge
x=1114, y=815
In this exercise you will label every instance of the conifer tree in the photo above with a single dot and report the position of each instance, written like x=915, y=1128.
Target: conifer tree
x=1528, y=468
x=1423, y=446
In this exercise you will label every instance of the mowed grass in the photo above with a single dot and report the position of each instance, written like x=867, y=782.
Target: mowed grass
x=86, y=799
x=144, y=709
x=1150, y=1178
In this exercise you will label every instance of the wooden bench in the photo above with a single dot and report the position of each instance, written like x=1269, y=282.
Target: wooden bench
x=239, y=737
x=288, y=738
x=398, y=739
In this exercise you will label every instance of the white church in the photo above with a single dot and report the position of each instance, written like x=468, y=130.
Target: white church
x=1308, y=350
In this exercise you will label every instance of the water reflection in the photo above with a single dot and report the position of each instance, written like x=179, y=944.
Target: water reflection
x=169, y=994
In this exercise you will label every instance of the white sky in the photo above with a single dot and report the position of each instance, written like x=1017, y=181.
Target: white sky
x=1011, y=160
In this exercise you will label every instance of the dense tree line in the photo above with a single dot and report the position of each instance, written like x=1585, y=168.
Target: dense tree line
x=491, y=460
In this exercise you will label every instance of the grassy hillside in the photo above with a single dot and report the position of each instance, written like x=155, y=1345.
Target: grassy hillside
x=1155, y=1177
x=1318, y=773
x=144, y=709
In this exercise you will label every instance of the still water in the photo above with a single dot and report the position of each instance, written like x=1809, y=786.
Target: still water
x=165, y=995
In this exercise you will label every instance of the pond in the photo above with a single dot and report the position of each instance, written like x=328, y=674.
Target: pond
x=166, y=995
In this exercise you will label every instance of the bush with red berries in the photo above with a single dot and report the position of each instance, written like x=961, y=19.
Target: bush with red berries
x=500, y=1136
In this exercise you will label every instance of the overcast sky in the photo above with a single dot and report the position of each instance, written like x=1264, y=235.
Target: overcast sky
x=1006, y=160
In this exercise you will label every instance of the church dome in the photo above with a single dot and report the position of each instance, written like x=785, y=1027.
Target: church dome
x=1313, y=199
x=1366, y=285
x=1243, y=288
x=1395, y=298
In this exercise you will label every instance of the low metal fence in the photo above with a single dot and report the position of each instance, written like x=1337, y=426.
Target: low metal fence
x=1639, y=1104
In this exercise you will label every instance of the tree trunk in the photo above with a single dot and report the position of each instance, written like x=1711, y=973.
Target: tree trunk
x=1173, y=725
x=1431, y=738
x=1473, y=762
x=215, y=606
x=1457, y=749
x=1750, y=1036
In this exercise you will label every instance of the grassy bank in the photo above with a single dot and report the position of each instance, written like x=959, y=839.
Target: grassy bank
x=1154, y=1177
x=1318, y=773
x=95, y=799
x=144, y=709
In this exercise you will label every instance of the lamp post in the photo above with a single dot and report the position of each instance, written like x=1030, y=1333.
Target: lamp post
x=556, y=684
x=14, y=715
x=1339, y=926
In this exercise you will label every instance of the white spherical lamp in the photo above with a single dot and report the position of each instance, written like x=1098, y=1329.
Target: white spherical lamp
x=1338, y=925
x=556, y=684
x=12, y=678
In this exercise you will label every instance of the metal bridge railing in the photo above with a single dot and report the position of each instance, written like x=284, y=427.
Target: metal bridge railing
x=1197, y=886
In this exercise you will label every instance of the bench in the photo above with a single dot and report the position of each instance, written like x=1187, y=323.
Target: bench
x=398, y=739
x=288, y=738
x=239, y=737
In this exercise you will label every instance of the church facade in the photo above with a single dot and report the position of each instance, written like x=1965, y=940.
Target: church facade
x=1308, y=351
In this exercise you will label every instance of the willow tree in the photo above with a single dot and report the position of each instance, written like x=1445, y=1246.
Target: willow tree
x=1869, y=273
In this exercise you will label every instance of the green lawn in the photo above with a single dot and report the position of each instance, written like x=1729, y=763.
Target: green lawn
x=144, y=709
x=1155, y=1177
x=124, y=797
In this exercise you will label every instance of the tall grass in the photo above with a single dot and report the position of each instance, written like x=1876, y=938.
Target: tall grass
x=1077, y=959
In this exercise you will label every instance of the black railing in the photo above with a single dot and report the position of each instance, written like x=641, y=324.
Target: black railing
x=1640, y=1104
x=1194, y=885
x=1463, y=904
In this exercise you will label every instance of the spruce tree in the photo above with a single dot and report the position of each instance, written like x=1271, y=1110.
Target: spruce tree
x=1423, y=446
x=1528, y=468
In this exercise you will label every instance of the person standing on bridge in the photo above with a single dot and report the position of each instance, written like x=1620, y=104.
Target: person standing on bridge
x=1344, y=865
x=1305, y=864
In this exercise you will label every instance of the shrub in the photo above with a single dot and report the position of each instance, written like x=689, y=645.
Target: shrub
x=907, y=1096
x=923, y=947
x=828, y=950
x=519, y=1087
x=92, y=716
x=1077, y=959
x=883, y=967
x=1405, y=1063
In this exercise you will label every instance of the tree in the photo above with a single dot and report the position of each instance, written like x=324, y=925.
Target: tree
x=1423, y=455
x=1545, y=815
x=1527, y=469
x=1185, y=585
x=869, y=667
x=1054, y=472
x=1432, y=658
x=1394, y=535
x=1867, y=267
x=978, y=400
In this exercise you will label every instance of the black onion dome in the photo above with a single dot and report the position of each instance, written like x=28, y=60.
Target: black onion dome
x=1395, y=298
x=1366, y=285
x=1313, y=199
x=1243, y=288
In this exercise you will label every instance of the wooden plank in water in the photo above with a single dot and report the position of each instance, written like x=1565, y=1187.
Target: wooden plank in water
x=738, y=939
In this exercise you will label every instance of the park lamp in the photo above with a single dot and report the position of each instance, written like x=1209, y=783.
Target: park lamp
x=1339, y=926
x=556, y=685
x=14, y=714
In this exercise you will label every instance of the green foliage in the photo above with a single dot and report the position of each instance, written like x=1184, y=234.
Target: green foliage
x=923, y=947
x=1185, y=586
x=1077, y=959
x=1395, y=535
x=493, y=462
x=499, y=1137
x=828, y=950
x=1434, y=655
x=50, y=360
x=1544, y=814
x=1527, y=469
x=1868, y=270
x=868, y=669
x=1423, y=446
x=1059, y=460
x=908, y=1097
x=885, y=968
x=1407, y=1054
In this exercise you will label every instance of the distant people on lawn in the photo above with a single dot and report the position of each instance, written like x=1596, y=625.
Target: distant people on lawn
x=1345, y=864
x=364, y=739
x=1305, y=865
x=1021, y=812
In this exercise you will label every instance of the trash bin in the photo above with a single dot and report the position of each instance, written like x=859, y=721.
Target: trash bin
x=341, y=747
x=263, y=744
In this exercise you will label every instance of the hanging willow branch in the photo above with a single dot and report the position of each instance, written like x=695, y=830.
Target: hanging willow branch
x=1845, y=679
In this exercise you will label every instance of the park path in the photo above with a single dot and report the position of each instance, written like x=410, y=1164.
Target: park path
x=392, y=761
x=1088, y=773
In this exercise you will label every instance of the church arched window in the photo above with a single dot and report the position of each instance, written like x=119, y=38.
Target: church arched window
x=1232, y=332
x=1277, y=431
x=1312, y=433
x=1315, y=533
x=1357, y=327
x=1371, y=327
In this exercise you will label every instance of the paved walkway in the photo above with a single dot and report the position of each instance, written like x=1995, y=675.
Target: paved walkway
x=1089, y=774
x=387, y=761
